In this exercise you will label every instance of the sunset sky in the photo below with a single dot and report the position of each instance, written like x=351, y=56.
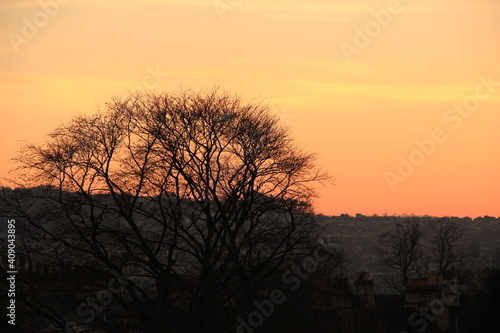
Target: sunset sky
x=400, y=99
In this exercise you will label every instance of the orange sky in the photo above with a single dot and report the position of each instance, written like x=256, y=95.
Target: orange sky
x=360, y=101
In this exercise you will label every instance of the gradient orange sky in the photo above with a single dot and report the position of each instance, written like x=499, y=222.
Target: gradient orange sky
x=361, y=115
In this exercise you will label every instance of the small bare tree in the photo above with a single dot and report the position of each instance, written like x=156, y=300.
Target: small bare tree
x=450, y=254
x=447, y=237
x=198, y=198
x=401, y=252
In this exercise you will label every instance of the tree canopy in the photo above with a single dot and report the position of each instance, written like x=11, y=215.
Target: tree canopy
x=197, y=197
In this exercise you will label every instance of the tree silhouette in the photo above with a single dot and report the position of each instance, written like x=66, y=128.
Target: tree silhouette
x=401, y=251
x=446, y=239
x=198, y=198
x=451, y=255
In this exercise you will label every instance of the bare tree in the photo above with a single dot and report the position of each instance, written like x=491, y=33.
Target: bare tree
x=401, y=252
x=447, y=237
x=450, y=254
x=198, y=198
